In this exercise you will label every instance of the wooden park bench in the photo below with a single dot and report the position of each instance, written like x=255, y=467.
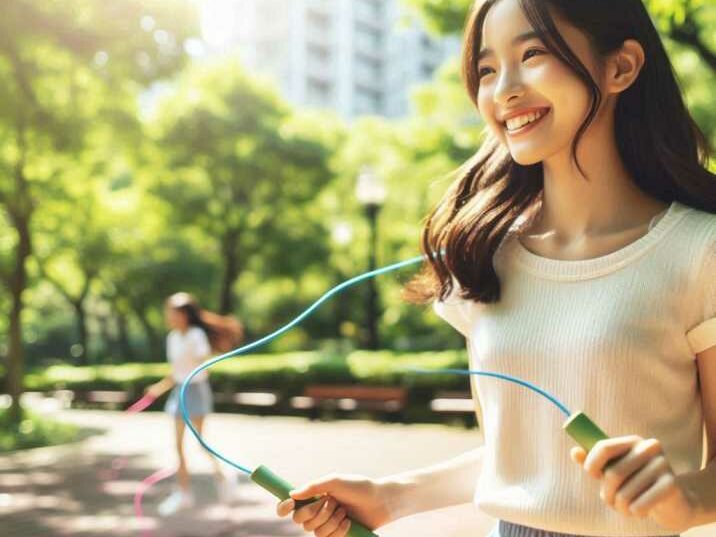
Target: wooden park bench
x=459, y=404
x=261, y=402
x=107, y=398
x=320, y=399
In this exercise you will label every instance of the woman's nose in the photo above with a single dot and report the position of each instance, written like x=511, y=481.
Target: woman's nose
x=509, y=86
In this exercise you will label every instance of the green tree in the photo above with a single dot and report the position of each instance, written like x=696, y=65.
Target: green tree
x=232, y=165
x=688, y=22
x=73, y=244
x=443, y=16
x=49, y=53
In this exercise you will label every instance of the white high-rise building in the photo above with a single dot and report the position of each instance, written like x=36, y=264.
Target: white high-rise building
x=357, y=57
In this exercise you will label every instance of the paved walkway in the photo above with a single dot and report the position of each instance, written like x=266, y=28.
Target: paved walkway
x=71, y=490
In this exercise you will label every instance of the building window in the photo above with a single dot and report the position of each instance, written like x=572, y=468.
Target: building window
x=368, y=40
x=318, y=91
x=368, y=99
x=368, y=68
x=318, y=53
x=372, y=8
x=318, y=20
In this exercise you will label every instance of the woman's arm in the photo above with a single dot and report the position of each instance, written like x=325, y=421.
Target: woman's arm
x=377, y=502
x=701, y=485
x=158, y=389
x=445, y=484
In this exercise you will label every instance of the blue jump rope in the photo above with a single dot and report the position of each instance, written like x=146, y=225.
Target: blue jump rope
x=582, y=429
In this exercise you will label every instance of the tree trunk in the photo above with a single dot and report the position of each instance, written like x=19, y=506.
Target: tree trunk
x=18, y=282
x=155, y=346
x=689, y=34
x=19, y=208
x=232, y=269
x=81, y=321
x=108, y=348
x=125, y=347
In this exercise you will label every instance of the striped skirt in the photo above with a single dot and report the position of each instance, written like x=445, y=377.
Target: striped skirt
x=199, y=400
x=508, y=529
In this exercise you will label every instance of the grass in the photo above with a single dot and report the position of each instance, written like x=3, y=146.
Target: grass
x=33, y=431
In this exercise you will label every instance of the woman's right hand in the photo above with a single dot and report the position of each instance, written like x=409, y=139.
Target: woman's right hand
x=342, y=497
x=156, y=390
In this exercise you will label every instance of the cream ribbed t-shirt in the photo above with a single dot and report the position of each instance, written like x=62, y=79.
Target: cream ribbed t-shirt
x=614, y=336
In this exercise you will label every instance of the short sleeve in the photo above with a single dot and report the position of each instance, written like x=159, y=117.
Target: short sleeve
x=703, y=336
x=457, y=311
x=200, y=343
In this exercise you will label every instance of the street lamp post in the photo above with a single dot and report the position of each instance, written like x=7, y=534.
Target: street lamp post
x=370, y=192
x=342, y=234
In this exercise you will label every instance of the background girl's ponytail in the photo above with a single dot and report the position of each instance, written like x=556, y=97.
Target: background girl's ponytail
x=225, y=332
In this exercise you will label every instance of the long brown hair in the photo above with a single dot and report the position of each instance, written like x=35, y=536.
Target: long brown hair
x=224, y=332
x=659, y=142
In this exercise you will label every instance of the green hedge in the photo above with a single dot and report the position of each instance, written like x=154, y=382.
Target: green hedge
x=287, y=373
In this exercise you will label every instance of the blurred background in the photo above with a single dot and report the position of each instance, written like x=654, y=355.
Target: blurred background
x=254, y=153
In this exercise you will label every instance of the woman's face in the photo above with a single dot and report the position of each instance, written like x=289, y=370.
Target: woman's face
x=532, y=102
x=175, y=319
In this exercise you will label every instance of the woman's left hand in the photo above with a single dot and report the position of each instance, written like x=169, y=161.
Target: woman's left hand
x=639, y=482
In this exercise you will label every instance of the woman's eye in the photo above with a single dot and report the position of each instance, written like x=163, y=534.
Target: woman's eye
x=483, y=72
x=532, y=52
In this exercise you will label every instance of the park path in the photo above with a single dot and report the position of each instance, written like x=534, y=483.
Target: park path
x=64, y=491
x=69, y=491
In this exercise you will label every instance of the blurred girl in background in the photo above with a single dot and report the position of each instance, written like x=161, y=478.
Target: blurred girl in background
x=195, y=335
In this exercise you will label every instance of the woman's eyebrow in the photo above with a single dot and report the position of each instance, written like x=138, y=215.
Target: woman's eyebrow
x=519, y=39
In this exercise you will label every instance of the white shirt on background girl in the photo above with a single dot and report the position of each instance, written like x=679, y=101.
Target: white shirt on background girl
x=186, y=351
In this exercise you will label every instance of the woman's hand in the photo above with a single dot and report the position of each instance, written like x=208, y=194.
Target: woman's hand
x=342, y=496
x=157, y=389
x=639, y=480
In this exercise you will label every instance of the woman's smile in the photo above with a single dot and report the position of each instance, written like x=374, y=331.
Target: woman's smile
x=524, y=123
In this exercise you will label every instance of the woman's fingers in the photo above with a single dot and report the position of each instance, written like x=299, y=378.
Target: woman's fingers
x=342, y=529
x=638, y=484
x=315, y=488
x=578, y=454
x=630, y=467
x=332, y=524
x=323, y=516
x=308, y=512
x=285, y=507
x=605, y=451
x=665, y=495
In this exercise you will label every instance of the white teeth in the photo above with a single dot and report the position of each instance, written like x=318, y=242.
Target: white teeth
x=520, y=121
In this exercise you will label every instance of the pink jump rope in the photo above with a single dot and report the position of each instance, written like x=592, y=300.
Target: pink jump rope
x=119, y=463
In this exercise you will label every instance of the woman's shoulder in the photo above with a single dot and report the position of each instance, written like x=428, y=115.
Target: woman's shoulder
x=196, y=332
x=696, y=213
x=694, y=242
x=699, y=225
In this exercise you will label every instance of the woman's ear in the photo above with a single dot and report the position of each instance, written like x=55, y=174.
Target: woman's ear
x=624, y=66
